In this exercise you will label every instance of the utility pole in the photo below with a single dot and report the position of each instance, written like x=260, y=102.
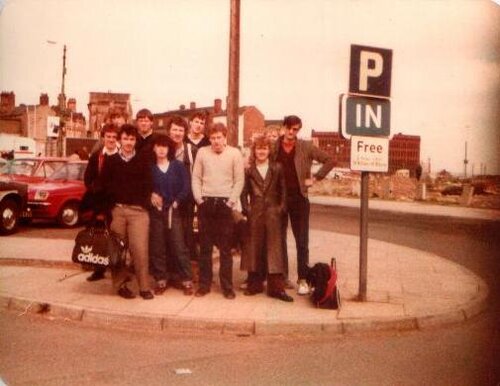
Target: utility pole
x=466, y=161
x=234, y=73
x=62, y=95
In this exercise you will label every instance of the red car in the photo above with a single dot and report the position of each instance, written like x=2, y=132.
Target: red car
x=58, y=197
x=28, y=170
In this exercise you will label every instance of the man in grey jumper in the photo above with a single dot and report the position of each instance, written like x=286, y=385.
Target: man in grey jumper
x=217, y=181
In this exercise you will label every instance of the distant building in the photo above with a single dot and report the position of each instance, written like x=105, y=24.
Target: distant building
x=11, y=117
x=250, y=119
x=33, y=121
x=404, y=153
x=404, y=150
x=101, y=103
x=335, y=145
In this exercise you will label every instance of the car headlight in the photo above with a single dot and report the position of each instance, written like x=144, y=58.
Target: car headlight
x=41, y=195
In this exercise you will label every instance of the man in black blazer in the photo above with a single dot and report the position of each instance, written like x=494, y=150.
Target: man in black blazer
x=94, y=198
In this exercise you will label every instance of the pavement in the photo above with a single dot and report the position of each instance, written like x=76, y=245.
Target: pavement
x=408, y=289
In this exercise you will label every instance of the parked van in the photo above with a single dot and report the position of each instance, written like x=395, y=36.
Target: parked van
x=14, y=146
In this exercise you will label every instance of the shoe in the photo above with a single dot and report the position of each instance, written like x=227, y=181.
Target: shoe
x=146, y=295
x=125, y=292
x=282, y=296
x=160, y=289
x=187, y=287
x=254, y=290
x=96, y=275
x=202, y=291
x=303, y=288
x=289, y=284
x=244, y=285
x=229, y=294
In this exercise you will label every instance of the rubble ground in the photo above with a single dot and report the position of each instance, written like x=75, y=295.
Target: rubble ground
x=398, y=188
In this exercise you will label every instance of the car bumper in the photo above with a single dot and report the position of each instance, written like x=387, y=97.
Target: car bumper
x=41, y=209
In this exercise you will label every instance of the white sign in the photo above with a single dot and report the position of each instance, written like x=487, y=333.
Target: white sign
x=369, y=154
x=53, y=124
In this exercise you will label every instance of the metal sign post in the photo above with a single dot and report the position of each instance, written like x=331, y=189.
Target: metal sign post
x=363, y=231
x=365, y=119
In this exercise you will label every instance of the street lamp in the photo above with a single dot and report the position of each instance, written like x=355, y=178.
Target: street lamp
x=61, y=98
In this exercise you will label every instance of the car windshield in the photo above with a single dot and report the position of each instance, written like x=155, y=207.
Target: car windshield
x=69, y=171
x=4, y=166
x=22, y=167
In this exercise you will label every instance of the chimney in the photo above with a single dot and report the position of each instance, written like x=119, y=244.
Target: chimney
x=7, y=101
x=217, y=106
x=72, y=105
x=44, y=99
x=182, y=107
x=192, y=105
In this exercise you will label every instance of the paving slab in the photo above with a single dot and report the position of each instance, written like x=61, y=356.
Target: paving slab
x=407, y=289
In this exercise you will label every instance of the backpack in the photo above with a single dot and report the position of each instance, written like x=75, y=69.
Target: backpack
x=322, y=278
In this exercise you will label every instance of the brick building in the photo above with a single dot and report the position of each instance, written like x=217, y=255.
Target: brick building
x=404, y=150
x=32, y=120
x=250, y=119
x=404, y=153
x=11, y=117
x=100, y=104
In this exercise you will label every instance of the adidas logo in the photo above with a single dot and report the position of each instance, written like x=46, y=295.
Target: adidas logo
x=86, y=256
x=86, y=249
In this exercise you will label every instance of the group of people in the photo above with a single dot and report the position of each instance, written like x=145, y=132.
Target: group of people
x=148, y=186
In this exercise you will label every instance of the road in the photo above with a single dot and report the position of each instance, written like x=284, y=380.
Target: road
x=34, y=350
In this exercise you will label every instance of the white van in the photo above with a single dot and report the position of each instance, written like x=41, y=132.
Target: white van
x=21, y=147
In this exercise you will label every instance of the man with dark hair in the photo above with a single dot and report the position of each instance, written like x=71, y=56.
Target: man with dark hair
x=115, y=117
x=186, y=153
x=127, y=180
x=144, y=121
x=94, y=198
x=218, y=178
x=296, y=156
x=196, y=135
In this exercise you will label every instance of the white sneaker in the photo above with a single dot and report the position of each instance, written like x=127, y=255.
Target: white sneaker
x=244, y=285
x=303, y=288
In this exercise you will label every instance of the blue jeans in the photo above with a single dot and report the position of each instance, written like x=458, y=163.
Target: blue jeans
x=167, y=246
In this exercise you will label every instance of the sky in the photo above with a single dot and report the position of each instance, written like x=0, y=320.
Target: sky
x=294, y=60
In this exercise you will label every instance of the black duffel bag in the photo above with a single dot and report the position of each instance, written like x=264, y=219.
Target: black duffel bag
x=97, y=246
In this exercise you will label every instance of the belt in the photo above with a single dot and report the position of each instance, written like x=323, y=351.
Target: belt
x=216, y=199
x=129, y=206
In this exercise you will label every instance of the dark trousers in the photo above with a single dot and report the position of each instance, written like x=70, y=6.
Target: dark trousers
x=187, y=212
x=275, y=282
x=168, y=251
x=298, y=210
x=216, y=228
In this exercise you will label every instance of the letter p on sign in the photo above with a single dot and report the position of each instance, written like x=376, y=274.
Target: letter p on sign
x=370, y=72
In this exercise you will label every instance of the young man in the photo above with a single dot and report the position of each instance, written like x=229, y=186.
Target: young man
x=115, y=117
x=94, y=198
x=144, y=122
x=171, y=185
x=264, y=200
x=218, y=178
x=196, y=135
x=296, y=156
x=186, y=153
x=127, y=180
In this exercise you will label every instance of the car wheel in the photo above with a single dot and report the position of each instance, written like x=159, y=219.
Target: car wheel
x=69, y=215
x=9, y=217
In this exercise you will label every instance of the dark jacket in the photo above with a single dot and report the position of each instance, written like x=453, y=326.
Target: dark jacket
x=94, y=198
x=305, y=154
x=128, y=183
x=264, y=202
